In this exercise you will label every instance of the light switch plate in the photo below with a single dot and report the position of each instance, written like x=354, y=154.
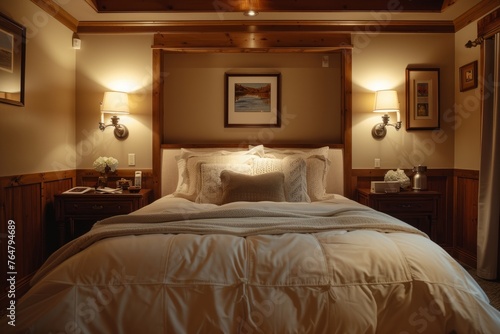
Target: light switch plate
x=131, y=159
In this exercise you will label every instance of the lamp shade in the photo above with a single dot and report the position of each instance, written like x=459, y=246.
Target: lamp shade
x=115, y=103
x=386, y=101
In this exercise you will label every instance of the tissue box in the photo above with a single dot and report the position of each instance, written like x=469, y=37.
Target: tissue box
x=385, y=186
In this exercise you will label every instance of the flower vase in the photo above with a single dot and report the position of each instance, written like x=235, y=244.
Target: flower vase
x=102, y=181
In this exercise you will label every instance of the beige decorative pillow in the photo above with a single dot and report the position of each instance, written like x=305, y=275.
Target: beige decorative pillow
x=252, y=188
x=295, y=172
x=317, y=167
x=210, y=187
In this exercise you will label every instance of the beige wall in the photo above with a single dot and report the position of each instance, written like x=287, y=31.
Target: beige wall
x=40, y=136
x=379, y=62
x=194, y=98
x=114, y=63
x=467, y=123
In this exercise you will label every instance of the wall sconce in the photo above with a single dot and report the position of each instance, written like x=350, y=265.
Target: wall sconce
x=385, y=101
x=115, y=103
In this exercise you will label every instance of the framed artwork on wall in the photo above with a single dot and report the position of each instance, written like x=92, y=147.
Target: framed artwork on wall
x=468, y=76
x=422, y=98
x=252, y=100
x=12, y=57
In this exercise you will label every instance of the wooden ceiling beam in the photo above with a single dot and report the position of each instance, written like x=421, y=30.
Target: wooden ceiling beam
x=251, y=42
x=256, y=26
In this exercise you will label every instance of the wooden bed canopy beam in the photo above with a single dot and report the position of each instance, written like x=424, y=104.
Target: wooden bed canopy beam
x=234, y=42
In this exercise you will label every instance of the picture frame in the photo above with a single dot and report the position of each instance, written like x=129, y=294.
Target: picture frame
x=12, y=60
x=468, y=76
x=252, y=100
x=422, y=99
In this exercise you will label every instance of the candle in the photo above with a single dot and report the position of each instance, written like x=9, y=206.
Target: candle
x=102, y=118
x=398, y=116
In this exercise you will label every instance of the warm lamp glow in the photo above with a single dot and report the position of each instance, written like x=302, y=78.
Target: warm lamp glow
x=114, y=103
x=386, y=101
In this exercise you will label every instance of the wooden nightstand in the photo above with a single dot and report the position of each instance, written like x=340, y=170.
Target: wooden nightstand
x=76, y=213
x=417, y=208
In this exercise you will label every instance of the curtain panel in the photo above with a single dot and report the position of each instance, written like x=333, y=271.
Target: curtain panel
x=488, y=249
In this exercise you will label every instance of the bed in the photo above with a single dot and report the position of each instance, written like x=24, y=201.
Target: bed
x=253, y=240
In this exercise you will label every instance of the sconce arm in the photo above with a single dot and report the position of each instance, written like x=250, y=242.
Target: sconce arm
x=396, y=125
x=379, y=130
x=121, y=131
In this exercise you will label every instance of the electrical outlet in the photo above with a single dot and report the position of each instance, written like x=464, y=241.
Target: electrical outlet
x=377, y=163
x=131, y=159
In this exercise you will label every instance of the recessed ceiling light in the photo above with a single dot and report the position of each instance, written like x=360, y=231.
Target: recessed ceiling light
x=251, y=12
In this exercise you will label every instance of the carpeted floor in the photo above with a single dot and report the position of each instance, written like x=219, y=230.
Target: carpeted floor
x=492, y=288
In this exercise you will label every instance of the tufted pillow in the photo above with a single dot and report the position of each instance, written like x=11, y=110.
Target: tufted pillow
x=252, y=188
x=188, y=163
x=210, y=187
x=295, y=172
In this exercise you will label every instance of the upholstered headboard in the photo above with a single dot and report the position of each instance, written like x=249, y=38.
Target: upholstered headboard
x=169, y=173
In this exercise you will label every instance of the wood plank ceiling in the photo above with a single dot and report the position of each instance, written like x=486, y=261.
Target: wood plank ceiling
x=120, y=6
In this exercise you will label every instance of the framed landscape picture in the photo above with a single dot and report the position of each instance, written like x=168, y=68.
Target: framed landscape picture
x=252, y=100
x=422, y=98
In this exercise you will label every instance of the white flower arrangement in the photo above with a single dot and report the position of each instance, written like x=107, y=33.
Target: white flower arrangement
x=105, y=164
x=398, y=175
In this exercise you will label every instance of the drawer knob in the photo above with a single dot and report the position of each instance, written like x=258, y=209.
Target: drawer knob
x=97, y=207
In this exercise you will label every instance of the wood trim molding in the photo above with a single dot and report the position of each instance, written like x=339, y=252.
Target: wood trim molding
x=58, y=13
x=346, y=118
x=233, y=42
x=157, y=103
x=475, y=13
x=286, y=27
x=489, y=25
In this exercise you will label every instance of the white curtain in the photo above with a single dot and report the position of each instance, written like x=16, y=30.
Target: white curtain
x=488, y=251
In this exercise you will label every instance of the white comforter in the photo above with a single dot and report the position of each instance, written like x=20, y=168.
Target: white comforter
x=324, y=267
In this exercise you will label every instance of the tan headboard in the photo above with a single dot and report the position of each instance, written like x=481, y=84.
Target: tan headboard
x=169, y=173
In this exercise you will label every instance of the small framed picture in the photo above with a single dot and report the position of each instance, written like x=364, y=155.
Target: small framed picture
x=468, y=76
x=422, y=98
x=252, y=100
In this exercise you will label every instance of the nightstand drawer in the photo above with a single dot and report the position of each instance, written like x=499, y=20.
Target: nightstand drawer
x=92, y=208
x=409, y=206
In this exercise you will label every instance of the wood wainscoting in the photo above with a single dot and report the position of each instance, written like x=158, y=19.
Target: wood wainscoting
x=466, y=215
x=27, y=202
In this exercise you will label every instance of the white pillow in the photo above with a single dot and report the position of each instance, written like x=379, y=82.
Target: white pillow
x=188, y=166
x=295, y=172
x=210, y=188
x=317, y=167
